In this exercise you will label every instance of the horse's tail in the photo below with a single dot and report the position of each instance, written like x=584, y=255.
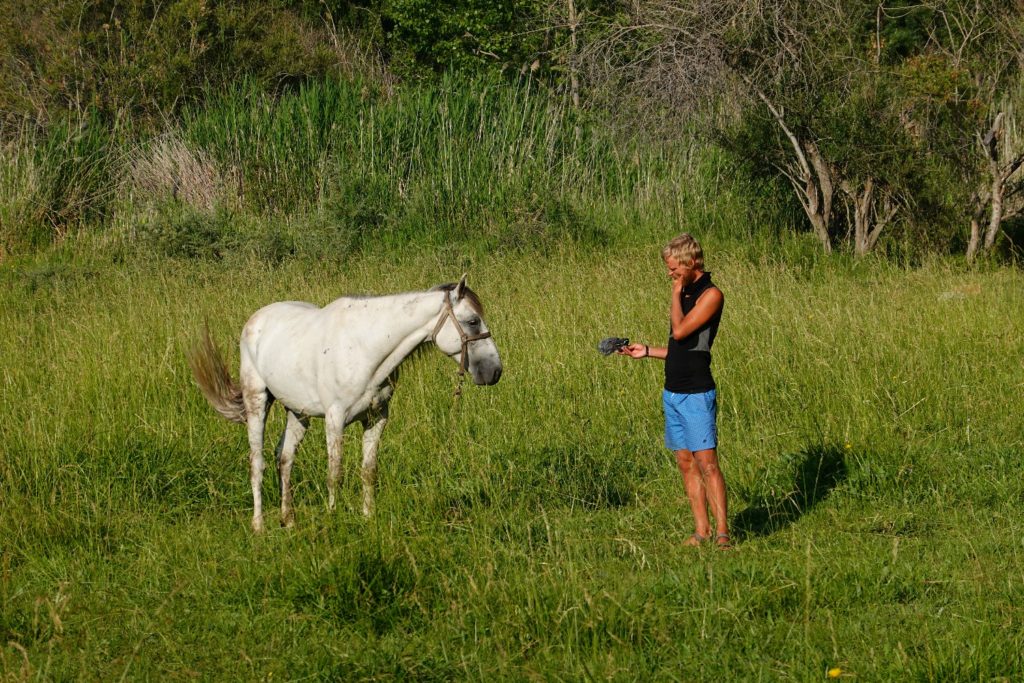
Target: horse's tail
x=214, y=380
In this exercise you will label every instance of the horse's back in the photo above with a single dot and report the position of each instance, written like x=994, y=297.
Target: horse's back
x=311, y=358
x=281, y=319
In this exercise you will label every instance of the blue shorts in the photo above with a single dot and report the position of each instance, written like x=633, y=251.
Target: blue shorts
x=690, y=420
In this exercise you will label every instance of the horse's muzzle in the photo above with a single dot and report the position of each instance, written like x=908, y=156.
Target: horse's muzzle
x=488, y=376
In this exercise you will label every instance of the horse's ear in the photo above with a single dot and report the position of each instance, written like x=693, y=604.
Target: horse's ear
x=460, y=289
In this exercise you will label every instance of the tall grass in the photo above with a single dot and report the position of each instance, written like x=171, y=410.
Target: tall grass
x=533, y=528
x=19, y=180
x=487, y=161
x=55, y=181
x=336, y=166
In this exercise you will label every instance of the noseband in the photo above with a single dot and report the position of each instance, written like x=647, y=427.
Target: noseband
x=449, y=312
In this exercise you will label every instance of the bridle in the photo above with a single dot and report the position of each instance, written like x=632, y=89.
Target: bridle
x=449, y=312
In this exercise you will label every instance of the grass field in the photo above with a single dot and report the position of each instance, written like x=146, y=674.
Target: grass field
x=871, y=436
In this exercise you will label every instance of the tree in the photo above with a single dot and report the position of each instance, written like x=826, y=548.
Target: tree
x=984, y=40
x=801, y=94
x=867, y=108
x=1001, y=198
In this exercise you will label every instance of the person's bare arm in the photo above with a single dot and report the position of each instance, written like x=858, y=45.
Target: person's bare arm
x=644, y=351
x=709, y=303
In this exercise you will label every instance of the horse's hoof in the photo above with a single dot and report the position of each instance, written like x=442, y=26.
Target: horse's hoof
x=288, y=522
x=257, y=526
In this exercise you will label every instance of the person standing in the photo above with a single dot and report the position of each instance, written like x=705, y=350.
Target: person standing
x=689, y=397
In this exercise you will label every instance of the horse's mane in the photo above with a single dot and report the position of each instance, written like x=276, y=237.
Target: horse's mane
x=474, y=300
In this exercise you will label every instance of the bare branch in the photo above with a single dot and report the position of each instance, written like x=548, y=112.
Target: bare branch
x=889, y=210
x=797, y=147
x=1012, y=167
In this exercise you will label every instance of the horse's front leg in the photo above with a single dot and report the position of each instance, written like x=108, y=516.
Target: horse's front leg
x=334, y=424
x=371, y=440
x=294, y=430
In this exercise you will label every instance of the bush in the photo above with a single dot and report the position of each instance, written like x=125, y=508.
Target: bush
x=137, y=59
x=186, y=233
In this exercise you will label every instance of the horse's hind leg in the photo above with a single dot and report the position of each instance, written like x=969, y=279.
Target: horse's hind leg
x=257, y=404
x=334, y=425
x=294, y=430
x=371, y=440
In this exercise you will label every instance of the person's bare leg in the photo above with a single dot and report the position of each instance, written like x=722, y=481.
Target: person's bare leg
x=714, y=486
x=694, y=484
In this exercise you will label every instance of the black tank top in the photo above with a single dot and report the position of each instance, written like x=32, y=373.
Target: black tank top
x=688, y=363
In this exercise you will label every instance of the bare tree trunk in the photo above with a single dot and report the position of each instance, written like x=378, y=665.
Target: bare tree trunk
x=826, y=190
x=975, y=241
x=996, y=215
x=861, y=197
x=1000, y=175
x=869, y=219
x=1000, y=183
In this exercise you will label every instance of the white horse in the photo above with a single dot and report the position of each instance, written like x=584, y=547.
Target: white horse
x=339, y=362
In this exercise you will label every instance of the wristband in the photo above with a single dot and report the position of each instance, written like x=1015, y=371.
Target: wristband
x=647, y=351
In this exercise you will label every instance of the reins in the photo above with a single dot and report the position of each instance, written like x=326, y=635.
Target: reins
x=449, y=312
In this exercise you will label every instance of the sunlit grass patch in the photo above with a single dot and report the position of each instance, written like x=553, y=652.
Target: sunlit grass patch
x=532, y=528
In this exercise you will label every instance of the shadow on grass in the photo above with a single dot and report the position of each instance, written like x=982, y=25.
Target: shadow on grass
x=368, y=587
x=813, y=474
x=555, y=477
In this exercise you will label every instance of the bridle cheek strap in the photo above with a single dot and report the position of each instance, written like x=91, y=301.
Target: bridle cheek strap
x=449, y=312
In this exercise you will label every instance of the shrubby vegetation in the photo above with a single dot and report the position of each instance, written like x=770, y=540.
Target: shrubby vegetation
x=879, y=116
x=893, y=125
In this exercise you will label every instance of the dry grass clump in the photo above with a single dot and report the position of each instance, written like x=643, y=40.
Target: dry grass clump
x=168, y=168
x=19, y=191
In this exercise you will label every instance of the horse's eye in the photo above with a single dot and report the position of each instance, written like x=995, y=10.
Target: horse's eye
x=473, y=321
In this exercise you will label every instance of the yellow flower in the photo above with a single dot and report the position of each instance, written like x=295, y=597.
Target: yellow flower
x=849, y=446
x=835, y=672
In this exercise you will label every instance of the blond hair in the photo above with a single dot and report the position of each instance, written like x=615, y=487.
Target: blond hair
x=686, y=250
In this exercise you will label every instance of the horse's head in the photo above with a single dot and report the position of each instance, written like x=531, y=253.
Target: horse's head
x=462, y=334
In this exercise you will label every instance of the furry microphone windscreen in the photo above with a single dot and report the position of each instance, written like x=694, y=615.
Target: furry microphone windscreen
x=610, y=345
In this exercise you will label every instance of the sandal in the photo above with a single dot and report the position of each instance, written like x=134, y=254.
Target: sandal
x=723, y=542
x=695, y=540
